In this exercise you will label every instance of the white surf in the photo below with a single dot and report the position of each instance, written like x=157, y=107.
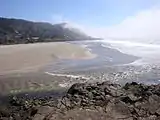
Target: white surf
x=149, y=53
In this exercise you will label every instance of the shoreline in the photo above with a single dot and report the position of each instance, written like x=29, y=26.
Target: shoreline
x=34, y=56
x=47, y=79
x=42, y=80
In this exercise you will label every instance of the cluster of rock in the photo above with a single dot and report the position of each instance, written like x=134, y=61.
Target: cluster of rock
x=103, y=101
x=21, y=108
x=131, y=102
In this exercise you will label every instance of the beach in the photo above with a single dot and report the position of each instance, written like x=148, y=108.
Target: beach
x=27, y=57
x=47, y=66
x=44, y=79
x=56, y=66
x=22, y=66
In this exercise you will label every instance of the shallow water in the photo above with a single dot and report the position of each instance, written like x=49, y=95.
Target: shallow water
x=106, y=56
x=118, y=55
x=149, y=53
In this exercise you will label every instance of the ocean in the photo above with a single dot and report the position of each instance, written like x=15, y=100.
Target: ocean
x=117, y=61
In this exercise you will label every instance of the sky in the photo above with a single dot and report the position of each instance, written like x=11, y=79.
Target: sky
x=133, y=19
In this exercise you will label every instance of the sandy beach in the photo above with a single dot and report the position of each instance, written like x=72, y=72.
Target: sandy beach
x=46, y=66
x=27, y=57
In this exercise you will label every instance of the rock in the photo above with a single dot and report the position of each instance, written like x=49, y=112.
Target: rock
x=90, y=95
x=158, y=111
x=94, y=92
x=133, y=97
x=137, y=100
x=4, y=118
x=4, y=112
x=18, y=117
x=120, y=110
x=153, y=104
x=126, y=100
x=38, y=117
x=33, y=111
x=132, y=101
x=77, y=88
x=141, y=112
x=151, y=117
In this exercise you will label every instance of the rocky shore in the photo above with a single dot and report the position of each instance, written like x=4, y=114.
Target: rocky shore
x=89, y=101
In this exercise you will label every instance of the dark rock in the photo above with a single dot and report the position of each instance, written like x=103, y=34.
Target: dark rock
x=33, y=111
x=4, y=112
x=77, y=88
x=158, y=111
x=133, y=101
x=127, y=100
x=96, y=92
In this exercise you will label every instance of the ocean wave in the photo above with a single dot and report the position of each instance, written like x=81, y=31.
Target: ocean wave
x=66, y=75
x=148, y=52
x=134, y=48
x=70, y=81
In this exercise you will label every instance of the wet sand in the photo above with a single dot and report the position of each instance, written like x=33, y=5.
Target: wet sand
x=29, y=82
x=70, y=64
x=21, y=66
x=52, y=66
x=30, y=57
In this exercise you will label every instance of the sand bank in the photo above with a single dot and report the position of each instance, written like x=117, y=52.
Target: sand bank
x=24, y=57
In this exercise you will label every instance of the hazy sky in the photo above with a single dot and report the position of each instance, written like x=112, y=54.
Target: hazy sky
x=106, y=18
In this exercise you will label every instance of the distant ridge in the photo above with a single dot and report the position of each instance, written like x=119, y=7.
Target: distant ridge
x=19, y=31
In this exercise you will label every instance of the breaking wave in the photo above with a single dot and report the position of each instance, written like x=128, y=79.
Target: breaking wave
x=148, y=52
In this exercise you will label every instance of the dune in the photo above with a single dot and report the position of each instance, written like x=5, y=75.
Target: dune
x=27, y=57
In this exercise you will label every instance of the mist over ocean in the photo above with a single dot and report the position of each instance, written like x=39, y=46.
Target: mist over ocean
x=148, y=52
